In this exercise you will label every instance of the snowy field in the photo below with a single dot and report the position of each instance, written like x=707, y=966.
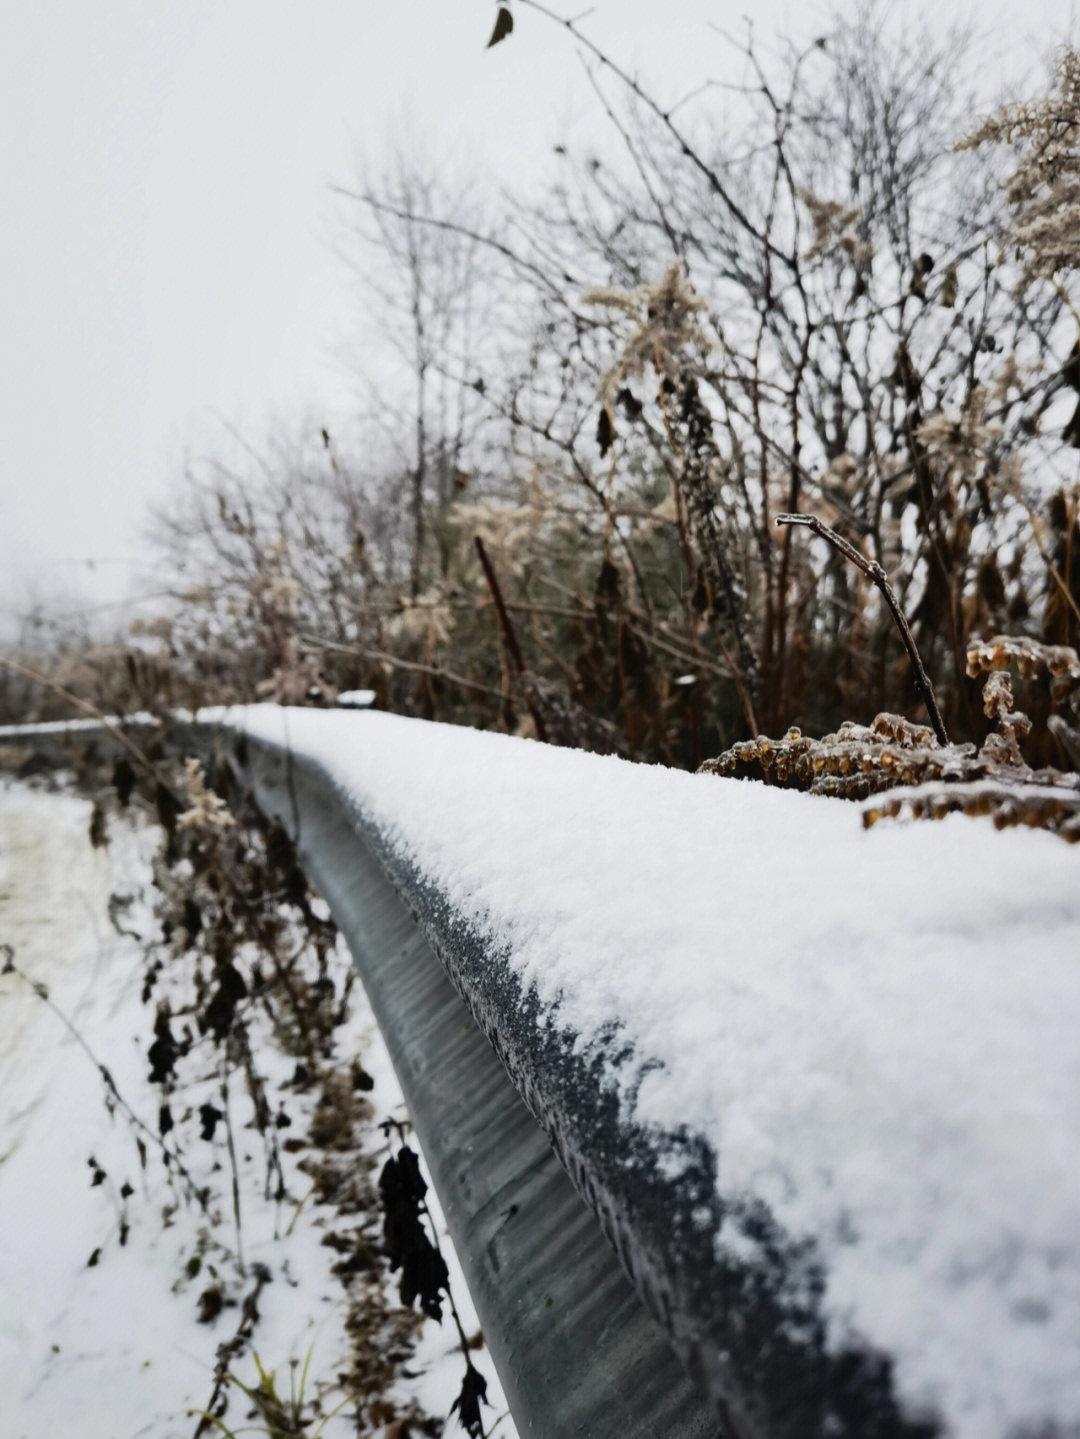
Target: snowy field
x=875, y=1030
x=112, y=1349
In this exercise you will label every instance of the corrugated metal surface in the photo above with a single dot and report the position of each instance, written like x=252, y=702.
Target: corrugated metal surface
x=577, y=1353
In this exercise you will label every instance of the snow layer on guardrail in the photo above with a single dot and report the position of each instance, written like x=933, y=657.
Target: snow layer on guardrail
x=875, y=1031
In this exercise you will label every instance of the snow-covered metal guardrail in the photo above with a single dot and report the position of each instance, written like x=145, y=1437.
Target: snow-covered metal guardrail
x=819, y=1085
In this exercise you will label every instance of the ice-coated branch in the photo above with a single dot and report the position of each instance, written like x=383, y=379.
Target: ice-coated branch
x=873, y=571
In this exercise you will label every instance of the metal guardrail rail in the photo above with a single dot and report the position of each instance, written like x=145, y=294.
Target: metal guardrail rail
x=576, y=1352
x=591, y=1257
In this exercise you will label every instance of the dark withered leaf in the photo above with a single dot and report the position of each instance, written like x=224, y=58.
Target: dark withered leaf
x=632, y=406
x=411, y=1180
x=605, y=431
x=167, y=806
x=219, y=1012
x=424, y=1275
x=473, y=1392
x=700, y=597
x=165, y=1120
x=504, y=24
x=209, y=1114
x=296, y=889
x=192, y=916
x=906, y=375
x=91, y=1263
x=280, y=850
x=126, y=1190
x=123, y=781
x=221, y=781
x=1070, y=371
x=211, y=1302
x=607, y=594
x=99, y=836
x=163, y=1051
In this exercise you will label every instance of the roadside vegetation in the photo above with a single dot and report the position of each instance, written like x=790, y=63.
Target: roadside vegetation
x=259, y=1117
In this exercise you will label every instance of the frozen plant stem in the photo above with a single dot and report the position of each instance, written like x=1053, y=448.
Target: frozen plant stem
x=873, y=571
x=112, y=1093
x=509, y=633
x=473, y=1389
x=108, y=722
x=233, y=1164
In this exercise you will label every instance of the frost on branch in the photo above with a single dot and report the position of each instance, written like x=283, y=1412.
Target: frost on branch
x=1037, y=806
x=854, y=762
x=206, y=810
x=898, y=769
x=1060, y=662
x=1044, y=189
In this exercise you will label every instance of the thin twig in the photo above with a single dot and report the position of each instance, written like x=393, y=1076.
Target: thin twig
x=171, y=1156
x=232, y=1164
x=108, y=722
x=505, y=622
x=710, y=174
x=510, y=635
x=453, y=227
x=873, y=571
x=436, y=671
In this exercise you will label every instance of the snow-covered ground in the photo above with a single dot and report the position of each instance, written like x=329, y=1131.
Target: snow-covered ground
x=113, y=1349
x=875, y=1030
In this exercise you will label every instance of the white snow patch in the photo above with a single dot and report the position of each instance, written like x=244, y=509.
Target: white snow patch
x=355, y=699
x=113, y=1351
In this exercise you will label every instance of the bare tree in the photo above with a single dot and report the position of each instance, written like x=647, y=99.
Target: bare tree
x=862, y=333
x=425, y=296
x=619, y=388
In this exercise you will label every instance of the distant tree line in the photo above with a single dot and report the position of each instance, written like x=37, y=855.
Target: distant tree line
x=849, y=303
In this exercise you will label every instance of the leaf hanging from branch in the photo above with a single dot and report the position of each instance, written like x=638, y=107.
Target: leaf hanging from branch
x=504, y=24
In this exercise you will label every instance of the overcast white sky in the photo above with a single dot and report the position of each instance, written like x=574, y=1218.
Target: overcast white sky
x=165, y=212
